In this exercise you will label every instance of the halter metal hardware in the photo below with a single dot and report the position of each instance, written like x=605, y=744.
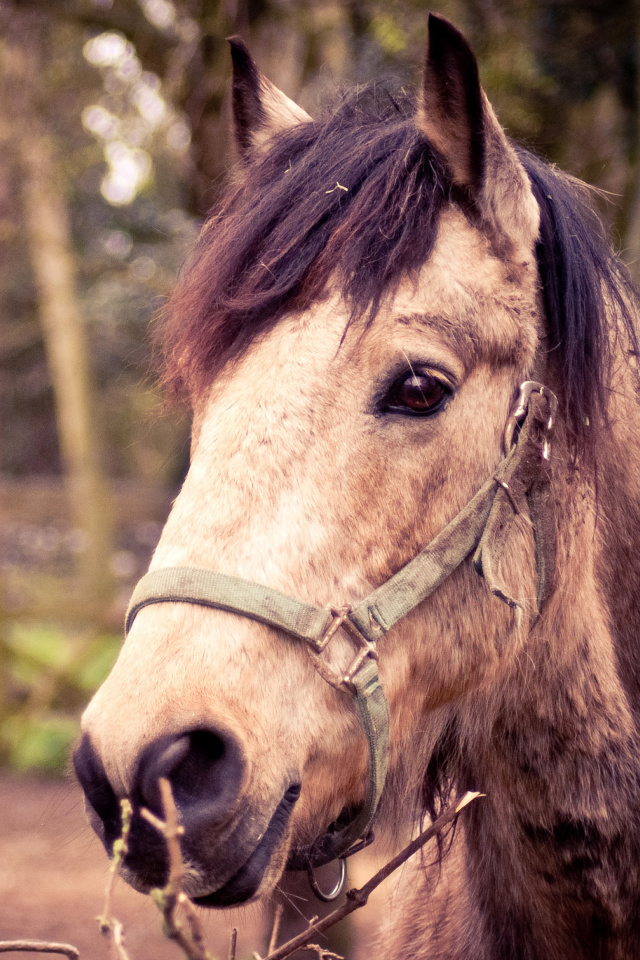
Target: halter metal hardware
x=519, y=412
x=335, y=892
x=365, y=648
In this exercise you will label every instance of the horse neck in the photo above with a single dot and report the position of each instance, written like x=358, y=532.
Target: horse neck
x=554, y=849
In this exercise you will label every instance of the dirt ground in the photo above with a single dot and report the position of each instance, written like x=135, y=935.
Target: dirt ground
x=53, y=874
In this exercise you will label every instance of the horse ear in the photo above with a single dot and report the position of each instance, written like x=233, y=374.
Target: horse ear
x=459, y=122
x=451, y=111
x=259, y=108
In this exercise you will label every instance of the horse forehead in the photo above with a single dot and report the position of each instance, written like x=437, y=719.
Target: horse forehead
x=485, y=308
x=476, y=305
x=464, y=299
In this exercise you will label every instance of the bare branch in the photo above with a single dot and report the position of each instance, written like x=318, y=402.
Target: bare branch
x=181, y=922
x=277, y=917
x=323, y=954
x=357, y=898
x=39, y=946
x=233, y=944
x=117, y=940
x=109, y=926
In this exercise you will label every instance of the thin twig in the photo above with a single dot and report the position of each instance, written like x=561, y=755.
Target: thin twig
x=357, y=898
x=117, y=934
x=233, y=943
x=181, y=922
x=275, y=930
x=323, y=954
x=109, y=926
x=39, y=946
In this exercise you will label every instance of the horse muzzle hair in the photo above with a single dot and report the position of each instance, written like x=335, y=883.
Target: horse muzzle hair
x=234, y=769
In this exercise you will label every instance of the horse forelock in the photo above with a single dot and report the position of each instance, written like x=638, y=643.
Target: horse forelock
x=356, y=196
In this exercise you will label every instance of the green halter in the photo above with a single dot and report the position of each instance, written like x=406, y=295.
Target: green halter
x=520, y=484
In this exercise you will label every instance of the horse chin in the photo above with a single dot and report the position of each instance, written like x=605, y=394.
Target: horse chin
x=254, y=880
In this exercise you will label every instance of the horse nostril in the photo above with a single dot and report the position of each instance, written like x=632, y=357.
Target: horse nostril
x=205, y=769
x=98, y=791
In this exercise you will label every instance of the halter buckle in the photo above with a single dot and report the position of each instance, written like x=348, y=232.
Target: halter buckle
x=519, y=412
x=365, y=648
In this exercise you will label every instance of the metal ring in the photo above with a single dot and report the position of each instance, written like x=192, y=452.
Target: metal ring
x=337, y=890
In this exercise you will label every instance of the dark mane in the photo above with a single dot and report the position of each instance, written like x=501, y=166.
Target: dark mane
x=588, y=297
x=361, y=193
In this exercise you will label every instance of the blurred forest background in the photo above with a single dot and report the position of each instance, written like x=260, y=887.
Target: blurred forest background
x=113, y=145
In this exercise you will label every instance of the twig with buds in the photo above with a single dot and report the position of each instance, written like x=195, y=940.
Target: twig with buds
x=109, y=926
x=181, y=922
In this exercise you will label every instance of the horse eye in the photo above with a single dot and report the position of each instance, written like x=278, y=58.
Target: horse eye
x=419, y=393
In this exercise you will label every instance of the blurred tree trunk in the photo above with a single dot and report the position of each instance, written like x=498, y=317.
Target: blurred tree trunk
x=48, y=232
x=47, y=226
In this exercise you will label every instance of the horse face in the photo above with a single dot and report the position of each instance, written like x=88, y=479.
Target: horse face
x=322, y=461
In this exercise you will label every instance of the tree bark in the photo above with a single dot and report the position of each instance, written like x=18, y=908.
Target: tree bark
x=48, y=232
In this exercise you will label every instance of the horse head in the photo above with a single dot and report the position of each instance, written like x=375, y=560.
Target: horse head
x=351, y=333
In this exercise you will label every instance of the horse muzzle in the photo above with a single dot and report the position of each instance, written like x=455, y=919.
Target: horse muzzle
x=227, y=844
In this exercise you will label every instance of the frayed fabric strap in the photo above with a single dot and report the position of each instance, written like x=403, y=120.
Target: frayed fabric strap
x=208, y=588
x=421, y=576
x=373, y=711
x=524, y=491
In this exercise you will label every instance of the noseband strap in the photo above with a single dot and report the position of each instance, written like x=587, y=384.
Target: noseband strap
x=520, y=483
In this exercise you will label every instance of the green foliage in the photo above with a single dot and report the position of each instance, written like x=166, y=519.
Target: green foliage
x=388, y=33
x=47, y=674
x=37, y=743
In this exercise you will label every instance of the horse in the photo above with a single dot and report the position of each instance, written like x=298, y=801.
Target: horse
x=410, y=353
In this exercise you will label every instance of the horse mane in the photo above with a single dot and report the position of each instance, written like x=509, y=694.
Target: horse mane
x=361, y=193
x=588, y=299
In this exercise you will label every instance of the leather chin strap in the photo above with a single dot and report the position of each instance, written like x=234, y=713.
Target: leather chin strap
x=520, y=485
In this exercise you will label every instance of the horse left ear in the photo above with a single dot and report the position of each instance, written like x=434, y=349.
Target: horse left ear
x=260, y=109
x=459, y=122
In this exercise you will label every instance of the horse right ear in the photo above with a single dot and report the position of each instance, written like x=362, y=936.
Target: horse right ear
x=451, y=109
x=260, y=109
x=458, y=120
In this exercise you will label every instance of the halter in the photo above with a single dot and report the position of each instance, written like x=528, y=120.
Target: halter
x=519, y=485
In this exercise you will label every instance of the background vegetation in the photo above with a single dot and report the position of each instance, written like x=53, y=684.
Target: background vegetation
x=113, y=145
